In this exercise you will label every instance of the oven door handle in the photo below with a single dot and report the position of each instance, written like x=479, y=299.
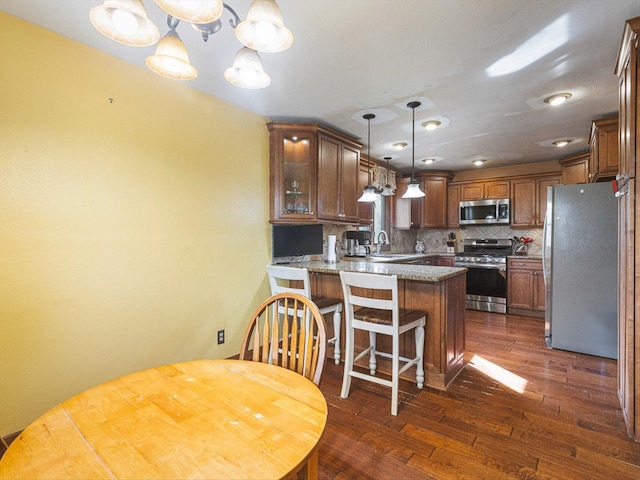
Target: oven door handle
x=482, y=266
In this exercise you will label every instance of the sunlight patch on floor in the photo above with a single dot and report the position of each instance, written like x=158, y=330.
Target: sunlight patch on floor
x=499, y=374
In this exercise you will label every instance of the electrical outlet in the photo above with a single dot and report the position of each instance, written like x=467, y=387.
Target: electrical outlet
x=444, y=241
x=220, y=337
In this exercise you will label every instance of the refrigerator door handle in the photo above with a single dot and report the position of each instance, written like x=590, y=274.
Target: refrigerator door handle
x=546, y=265
x=544, y=246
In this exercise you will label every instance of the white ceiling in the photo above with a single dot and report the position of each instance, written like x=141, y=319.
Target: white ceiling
x=483, y=65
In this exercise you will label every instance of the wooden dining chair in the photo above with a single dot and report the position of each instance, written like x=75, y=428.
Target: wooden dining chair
x=371, y=304
x=287, y=330
x=296, y=280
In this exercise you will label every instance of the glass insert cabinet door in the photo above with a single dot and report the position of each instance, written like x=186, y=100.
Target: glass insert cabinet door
x=293, y=165
x=298, y=176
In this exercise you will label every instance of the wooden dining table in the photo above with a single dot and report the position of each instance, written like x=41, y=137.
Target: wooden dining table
x=211, y=419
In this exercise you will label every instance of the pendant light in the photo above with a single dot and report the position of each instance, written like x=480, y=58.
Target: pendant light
x=369, y=193
x=387, y=191
x=413, y=188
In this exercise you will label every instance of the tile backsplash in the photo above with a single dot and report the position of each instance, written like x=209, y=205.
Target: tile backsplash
x=405, y=240
x=433, y=239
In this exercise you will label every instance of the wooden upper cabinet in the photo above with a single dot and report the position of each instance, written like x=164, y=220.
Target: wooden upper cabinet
x=434, y=205
x=453, y=206
x=529, y=200
x=338, y=173
x=603, y=163
x=484, y=190
x=575, y=168
x=407, y=213
x=313, y=174
x=349, y=191
x=292, y=173
x=627, y=71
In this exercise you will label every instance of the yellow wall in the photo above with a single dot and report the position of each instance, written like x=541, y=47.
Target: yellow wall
x=130, y=232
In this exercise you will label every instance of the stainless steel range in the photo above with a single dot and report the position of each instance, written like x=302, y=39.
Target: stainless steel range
x=486, y=261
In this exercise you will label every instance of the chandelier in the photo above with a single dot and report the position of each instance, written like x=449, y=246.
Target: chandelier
x=126, y=21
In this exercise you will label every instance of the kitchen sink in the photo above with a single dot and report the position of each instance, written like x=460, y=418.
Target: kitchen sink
x=388, y=257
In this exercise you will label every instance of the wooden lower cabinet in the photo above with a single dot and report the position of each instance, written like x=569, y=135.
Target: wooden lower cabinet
x=445, y=340
x=525, y=287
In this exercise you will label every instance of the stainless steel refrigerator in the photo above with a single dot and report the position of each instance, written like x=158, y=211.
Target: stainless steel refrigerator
x=580, y=261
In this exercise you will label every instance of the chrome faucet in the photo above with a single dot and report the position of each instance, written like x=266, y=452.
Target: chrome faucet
x=386, y=240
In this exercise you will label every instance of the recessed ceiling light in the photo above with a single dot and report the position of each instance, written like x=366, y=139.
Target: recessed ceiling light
x=399, y=145
x=562, y=143
x=428, y=161
x=478, y=163
x=557, y=99
x=431, y=124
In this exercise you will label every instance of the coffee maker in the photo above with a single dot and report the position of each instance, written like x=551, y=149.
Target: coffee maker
x=358, y=243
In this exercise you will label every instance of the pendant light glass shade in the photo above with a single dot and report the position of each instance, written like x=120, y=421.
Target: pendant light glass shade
x=369, y=194
x=264, y=29
x=247, y=71
x=413, y=188
x=171, y=59
x=124, y=21
x=387, y=191
x=193, y=11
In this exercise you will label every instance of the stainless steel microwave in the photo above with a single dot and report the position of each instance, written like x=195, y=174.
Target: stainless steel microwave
x=485, y=212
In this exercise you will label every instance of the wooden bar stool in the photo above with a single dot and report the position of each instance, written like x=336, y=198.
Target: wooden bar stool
x=280, y=279
x=379, y=315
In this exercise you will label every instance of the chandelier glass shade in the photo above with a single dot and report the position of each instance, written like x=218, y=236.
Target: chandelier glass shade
x=264, y=29
x=193, y=11
x=247, y=71
x=171, y=59
x=126, y=22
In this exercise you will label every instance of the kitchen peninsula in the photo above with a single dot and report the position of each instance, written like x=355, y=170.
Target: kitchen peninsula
x=440, y=291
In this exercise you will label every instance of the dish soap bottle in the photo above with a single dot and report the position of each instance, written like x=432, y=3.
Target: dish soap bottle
x=420, y=248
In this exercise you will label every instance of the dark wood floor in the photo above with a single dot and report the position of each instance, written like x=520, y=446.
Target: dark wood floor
x=566, y=424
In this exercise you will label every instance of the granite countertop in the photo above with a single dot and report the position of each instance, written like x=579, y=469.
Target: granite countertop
x=422, y=273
